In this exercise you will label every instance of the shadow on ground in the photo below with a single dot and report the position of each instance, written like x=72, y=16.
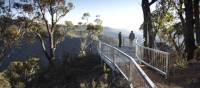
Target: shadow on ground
x=80, y=72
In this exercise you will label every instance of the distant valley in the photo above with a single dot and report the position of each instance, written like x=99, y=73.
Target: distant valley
x=113, y=32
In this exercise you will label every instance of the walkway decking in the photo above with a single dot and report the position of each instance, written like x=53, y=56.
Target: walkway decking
x=127, y=60
x=128, y=50
x=125, y=64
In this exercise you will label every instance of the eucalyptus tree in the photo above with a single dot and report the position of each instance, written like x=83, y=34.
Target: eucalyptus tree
x=10, y=34
x=184, y=18
x=80, y=23
x=98, y=21
x=98, y=25
x=56, y=9
x=69, y=25
x=10, y=30
x=166, y=25
x=86, y=17
x=92, y=31
x=43, y=16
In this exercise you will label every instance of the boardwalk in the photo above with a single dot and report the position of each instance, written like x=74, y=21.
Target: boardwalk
x=128, y=50
x=126, y=60
x=125, y=64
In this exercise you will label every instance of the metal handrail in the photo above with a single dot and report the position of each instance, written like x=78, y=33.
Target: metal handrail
x=156, y=50
x=147, y=80
x=154, y=53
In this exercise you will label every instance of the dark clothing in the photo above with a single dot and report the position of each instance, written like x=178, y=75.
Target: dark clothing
x=131, y=36
x=120, y=39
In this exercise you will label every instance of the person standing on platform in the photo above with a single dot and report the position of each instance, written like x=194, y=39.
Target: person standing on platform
x=120, y=39
x=131, y=38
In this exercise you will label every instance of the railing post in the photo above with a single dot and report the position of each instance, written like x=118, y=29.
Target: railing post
x=100, y=51
x=130, y=74
x=136, y=51
x=123, y=42
x=167, y=66
x=114, y=60
x=107, y=50
x=113, y=55
x=99, y=42
x=132, y=69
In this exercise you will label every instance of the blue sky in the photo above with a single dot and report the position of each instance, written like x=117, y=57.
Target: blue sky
x=121, y=14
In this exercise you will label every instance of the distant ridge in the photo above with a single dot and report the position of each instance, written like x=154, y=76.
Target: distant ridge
x=113, y=32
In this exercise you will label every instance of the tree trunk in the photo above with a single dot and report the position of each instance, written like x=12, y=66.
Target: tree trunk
x=145, y=9
x=196, y=21
x=49, y=57
x=147, y=24
x=50, y=53
x=189, y=30
x=51, y=49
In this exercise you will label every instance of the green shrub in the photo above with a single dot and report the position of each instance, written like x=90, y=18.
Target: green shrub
x=4, y=82
x=20, y=73
x=179, y=60
x=197, y=53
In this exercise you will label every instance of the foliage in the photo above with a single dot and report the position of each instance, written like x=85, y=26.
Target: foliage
x=69, y=25
x=10, y=34
x=168, y=27
x=98, y=20
x=93, y=31
x=197, y=54
x=173, y=23
x=20, y=73
x=80, y=23
x=38, y=24
x=4, y=82
x=97, y=29
x=86, y=17
x=59, y=34
x=180, y=61
x=27, y=8
x=13, y=32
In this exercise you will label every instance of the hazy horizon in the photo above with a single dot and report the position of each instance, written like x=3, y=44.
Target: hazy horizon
x=121, y=14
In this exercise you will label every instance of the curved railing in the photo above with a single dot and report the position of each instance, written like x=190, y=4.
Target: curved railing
x=153, y=58
x=125, y=64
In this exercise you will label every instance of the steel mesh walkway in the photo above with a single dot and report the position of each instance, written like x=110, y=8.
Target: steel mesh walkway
x=126, y=60
x=125, y=64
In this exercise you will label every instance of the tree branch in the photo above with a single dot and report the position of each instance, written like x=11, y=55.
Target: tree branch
x=52, y=16
x=43, y=16
x=59, y=17
x=152, y=1
x=43, y=45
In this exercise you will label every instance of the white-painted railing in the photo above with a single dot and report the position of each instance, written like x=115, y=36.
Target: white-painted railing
x=126, y=65
x=153, y=58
